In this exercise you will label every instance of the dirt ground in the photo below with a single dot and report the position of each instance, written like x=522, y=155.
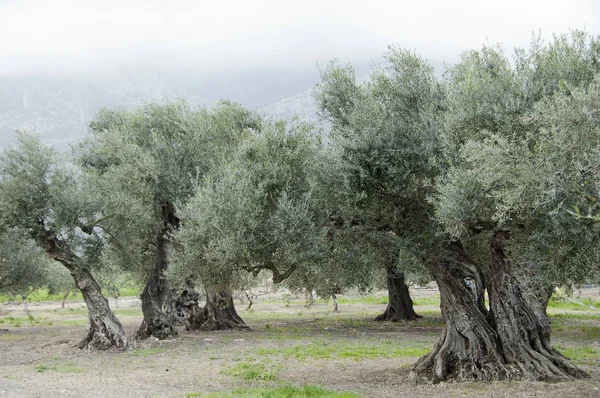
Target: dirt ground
x=288, y=343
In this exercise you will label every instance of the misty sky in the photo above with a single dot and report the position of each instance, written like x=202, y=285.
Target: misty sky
x=52, y=36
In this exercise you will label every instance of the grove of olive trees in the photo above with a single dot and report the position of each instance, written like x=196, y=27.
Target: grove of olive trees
x=484, y=180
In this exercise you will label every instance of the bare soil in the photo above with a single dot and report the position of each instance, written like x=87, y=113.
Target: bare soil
x=343, y=351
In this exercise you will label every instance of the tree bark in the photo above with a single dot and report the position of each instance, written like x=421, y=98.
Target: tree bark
x=187, y=308
x=155, y=297
x=65, y=299
x=105, y=330
x=400, y=305
x=157, y=304
x=218, y=313
x=25, y=307
x=521, y=323
x=469, y=348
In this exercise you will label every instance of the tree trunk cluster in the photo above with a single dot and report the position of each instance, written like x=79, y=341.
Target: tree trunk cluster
x=510, y=340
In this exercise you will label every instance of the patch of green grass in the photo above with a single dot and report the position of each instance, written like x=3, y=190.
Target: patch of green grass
x=128, y=312
x=576, y=326
x=61, y=368
x=27, y=320
x=147, y=352
x=11, y=337
x=569, y=317
x=285, y=391
x=129, y=292
x=587, y=355
x=69, y=322
x=435, y=300
x=362, y=300
x=44, y=368
x=69, y=368
x=251, y=371
x=351, y=350
x=71, y=311
x=573, y=305
x=428, y=320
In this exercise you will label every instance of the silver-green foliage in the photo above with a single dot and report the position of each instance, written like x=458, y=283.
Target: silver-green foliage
x=384, y=133
x=521, y=146
x=149, y=159
x=256, y=211
x=23, y=265
x=51, y=200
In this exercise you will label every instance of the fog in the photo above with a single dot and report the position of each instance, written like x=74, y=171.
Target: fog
x=66, y=37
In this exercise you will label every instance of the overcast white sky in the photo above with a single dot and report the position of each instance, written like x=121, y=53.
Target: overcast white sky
x=80, y=36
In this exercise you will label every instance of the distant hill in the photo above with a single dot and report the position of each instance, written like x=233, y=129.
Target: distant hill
x=301, y=104
x=59, y=108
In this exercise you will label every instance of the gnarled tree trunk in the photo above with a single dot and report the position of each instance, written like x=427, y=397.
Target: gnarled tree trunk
x=155, y=297
x=400, y=305
x=218, y=313
x=469, y=348
x=522, y=326
x=105, y=330
x=186, y=307
x=157, y=304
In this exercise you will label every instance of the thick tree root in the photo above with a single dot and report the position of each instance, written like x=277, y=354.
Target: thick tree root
x=158, y=327
x=460, y=358
x=104, y=335
x=392, y=315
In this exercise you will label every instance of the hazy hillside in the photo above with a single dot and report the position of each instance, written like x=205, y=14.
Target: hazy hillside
x=301, y=104
x=59, y=108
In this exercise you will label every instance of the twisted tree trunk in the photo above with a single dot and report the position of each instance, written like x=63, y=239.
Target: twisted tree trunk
x=157, y=304
x=155, y=297
x=400, y=305
x=218, y=313
x=105, y=330
x=522, y=325
x=469, y=348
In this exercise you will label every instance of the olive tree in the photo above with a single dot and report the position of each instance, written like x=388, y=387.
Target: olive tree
x=148, y=160
x=52, y=201
x=254, y=213
x=24, y=267
x=518, y=143
x=384, y=132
